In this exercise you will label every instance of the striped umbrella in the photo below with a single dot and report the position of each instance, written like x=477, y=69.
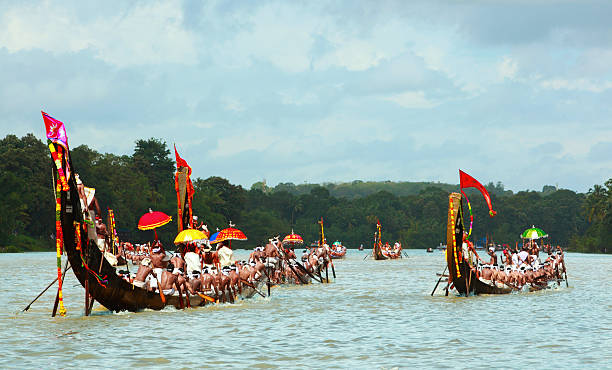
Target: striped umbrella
x=152, y=220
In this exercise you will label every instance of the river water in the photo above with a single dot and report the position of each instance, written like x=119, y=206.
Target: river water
x=376, y=314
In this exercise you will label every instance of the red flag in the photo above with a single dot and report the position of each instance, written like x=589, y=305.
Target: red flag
x=56, y=132
x=467, y=181
x=180, y=162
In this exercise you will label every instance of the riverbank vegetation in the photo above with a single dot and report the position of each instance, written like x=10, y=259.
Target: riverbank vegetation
x=412, y=212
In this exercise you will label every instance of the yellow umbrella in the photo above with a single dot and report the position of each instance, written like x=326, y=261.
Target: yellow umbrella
x=189, y=235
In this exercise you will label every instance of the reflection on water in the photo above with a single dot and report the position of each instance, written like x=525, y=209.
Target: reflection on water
x=376, y=314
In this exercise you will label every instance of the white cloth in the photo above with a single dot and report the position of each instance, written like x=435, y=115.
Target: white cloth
x=522, y=255
x=515, y=259
x=89, y=194
x=111, y=258
x=192, y=260
x=226, y=256
x=139, y=284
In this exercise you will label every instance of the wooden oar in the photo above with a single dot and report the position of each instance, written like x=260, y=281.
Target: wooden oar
x=366, y=256
x=210, y=299
x=161, y=294
x=269, y=282
x=41, y=293
x=253, y=286
x=284, y=255
x=298, y=264
x=87, y=296
x=436, y=287
x=57, y=295
x=332, y=265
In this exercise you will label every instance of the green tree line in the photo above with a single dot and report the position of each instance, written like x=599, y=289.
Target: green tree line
x=411, y=212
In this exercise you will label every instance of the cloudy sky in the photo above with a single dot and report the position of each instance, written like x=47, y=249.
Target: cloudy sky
x=512, y=91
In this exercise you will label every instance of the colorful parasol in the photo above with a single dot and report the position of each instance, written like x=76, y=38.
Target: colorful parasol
x=213, y=237
x=337, y=243
x=229, y=234
x=189, y=235
x=293, y=238
x=151, y=220
x=533, y=233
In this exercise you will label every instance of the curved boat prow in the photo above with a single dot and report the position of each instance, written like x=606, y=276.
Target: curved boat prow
x=461, y=274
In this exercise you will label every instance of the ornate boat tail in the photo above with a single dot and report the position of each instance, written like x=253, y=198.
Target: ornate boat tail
x=184, y=193
x=462, y=276
x=454, y=232
x=88, y=265
x=377, y=250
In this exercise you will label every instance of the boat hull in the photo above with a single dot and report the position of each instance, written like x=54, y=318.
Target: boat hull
x=111, y=291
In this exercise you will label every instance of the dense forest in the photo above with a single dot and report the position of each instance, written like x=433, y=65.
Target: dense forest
x=412, y=212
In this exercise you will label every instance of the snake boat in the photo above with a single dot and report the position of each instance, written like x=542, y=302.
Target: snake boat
x=101, y=280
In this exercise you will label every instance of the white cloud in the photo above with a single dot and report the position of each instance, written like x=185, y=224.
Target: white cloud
x=233, y=104
x=412, y=99
x=351, y=84
x=581, y=84
x=295, y=97
x=508, y=68
x=147, y=33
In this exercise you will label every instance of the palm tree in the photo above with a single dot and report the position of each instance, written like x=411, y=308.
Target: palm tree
x=596, y=203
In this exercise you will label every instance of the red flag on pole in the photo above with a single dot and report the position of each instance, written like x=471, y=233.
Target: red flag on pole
x=467, y=181
x=56, y=132
x=180, y=162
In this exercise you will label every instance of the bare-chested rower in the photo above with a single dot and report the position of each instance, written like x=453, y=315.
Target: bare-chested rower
x=178, y=261
x=144, y=270
x=169, y=281
x=158, y=256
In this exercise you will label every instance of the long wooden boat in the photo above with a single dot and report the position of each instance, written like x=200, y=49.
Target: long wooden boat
x=96, y=275
x=378, y=251
x=463, y=276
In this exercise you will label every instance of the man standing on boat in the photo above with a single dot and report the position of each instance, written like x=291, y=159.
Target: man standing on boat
x=209, y=258
x=491, y=253
x=469, y=252
x=226, y=255
x=192, y=259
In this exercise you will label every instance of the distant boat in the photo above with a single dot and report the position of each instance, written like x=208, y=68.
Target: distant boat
x=430, y=250
x=337, y=250
x=384, y=252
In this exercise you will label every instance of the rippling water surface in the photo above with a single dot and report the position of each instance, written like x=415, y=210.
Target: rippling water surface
x=376, y=314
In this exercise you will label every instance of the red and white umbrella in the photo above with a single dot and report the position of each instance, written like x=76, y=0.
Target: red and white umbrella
x=152, y=220
x=293, y=238
x=230, y=233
